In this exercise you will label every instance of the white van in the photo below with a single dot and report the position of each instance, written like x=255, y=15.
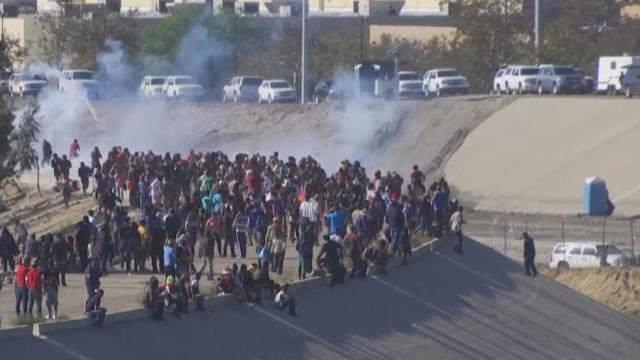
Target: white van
x=618, y=74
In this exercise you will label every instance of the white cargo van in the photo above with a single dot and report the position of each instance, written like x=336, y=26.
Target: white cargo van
x=618, y=74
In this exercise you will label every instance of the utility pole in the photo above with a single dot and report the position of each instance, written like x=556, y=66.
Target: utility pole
x=304, y=61
x=536, y=29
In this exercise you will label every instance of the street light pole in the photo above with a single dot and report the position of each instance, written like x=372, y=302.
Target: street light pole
x=536, y=30
x=304, y=60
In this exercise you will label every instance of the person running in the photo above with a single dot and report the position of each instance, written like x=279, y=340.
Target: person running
x=8, y=250
x=46, y=153
x=95, y=158
x=74, y=149
x=21, y=234
x=84, y=173
x=55, y=165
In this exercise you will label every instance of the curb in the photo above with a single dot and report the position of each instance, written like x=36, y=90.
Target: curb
x=44, y=328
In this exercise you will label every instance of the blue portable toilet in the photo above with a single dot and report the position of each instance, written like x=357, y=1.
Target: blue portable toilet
x=595, y=196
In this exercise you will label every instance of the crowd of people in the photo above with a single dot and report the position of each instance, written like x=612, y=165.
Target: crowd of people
x=168, y=211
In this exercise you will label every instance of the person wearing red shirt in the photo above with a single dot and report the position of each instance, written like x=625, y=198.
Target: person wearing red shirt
x=21, y=287
x=34, y=284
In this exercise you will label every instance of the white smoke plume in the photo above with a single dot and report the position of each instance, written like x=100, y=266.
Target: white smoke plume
x=126, y=119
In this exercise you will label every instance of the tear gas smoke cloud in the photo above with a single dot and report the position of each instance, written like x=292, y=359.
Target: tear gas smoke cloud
x=128, y=120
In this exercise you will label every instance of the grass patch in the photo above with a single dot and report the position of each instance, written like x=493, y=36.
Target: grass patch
x=27, y=320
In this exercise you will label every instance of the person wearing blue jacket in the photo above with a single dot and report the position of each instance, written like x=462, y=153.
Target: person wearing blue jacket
x=170, y=258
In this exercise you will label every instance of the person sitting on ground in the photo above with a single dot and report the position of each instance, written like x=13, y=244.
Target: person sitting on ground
x=92, y=308
x=196, y=295
x=172, y=297
x=227, y=285
x=284, y=299
x=181, y=286
x=249, y=284
x=377, y=257
x=151, y=298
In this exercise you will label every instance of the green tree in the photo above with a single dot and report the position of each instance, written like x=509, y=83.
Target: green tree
x=77, y=41
x=25, y=157
x=11, y=53
x=7, y=160
x=490, y=34
x=205, y=45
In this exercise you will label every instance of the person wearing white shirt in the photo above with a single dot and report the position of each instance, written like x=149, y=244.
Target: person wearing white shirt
x=284, y=300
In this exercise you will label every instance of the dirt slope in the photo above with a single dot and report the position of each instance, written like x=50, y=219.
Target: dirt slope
x=616, y=288
x=534, y=155
x=382, y=135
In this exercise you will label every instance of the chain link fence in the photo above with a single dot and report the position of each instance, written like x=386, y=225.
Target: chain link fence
x=502, y=232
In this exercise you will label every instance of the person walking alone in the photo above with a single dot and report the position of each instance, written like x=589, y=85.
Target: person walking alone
x=529, y=255
x=455, y=222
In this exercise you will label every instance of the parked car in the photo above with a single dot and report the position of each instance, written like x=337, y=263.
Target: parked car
x=628, y=258
x=80, y=80
x=444, y=81
x=583, y=255
x=557, y=79
x=521, y=79
x=26, y=84
x=242, y=88
x=4, y=81
x=271, y=91
x=182, y=87
x=587, y=81
x=618, y=75
x=409, y=84
x=498, y=82
x=151, y=86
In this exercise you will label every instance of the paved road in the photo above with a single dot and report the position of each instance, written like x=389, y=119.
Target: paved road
x=446, y=306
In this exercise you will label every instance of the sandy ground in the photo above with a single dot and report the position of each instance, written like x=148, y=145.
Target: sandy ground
x=616, y=288
x=390, y=135
x=534, y=155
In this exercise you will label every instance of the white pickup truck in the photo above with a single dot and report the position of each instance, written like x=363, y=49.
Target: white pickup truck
x=80, y=80
x=409, y=84
x=242, y=88
x=182, y=87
